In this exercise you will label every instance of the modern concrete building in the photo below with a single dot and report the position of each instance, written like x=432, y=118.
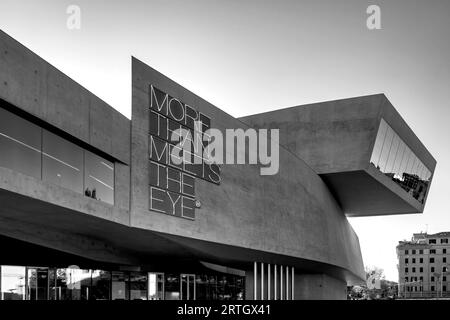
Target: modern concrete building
x=92, y=207
x=423, y=266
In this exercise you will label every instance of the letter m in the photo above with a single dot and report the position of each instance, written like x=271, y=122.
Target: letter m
x=158, y=100
x=240, y=136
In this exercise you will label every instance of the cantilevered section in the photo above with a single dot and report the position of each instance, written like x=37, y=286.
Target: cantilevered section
x=362, y=148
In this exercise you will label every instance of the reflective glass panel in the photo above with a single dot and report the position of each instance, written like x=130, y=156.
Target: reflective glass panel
x=398, y=162
x=399, y=158
x=392, y=155
x=52, y=283
x=12, y=283
x=120, y=286
x=38, y=283
x=99, y=178
x=172, y=287
x=378, y=143
x=101, y=285
x=386, y=149
x=138, y=286
x=155, y=286
x=62, y=162
x=20, y=144
x=72, y=284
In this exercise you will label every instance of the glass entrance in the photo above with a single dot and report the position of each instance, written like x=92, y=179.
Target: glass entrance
x=155, y=286
x=187, y=286
x=37, y=283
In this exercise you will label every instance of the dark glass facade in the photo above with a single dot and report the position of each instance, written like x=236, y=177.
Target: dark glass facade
x=34, y=151
x=62, y=162
x=396, y=160
x=20, y=144
x=99, y=178
x=72, y=283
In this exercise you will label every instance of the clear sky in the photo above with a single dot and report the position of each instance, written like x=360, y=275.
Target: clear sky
x=253, y=56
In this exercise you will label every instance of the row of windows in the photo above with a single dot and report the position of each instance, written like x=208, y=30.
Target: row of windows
x=431, y=251
x=34, y=151
x=432, y=260
x=432, y=279
x=31, y=283
x=396, y=160
x=433, y=241
x=420, y=289
x=432, y=269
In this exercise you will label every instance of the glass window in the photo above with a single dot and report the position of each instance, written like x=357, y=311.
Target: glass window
x=12, y=283
x=27, y=148
x=378, y=143
x=410, y=163
x=138, y=286
x=172, y=287
x=416, y=167
x=20, y=144
x=397, y=161
x=101, y=285
x=385, y=150
x=38, y=284
x=99, y=178
x=72, y=284
x=62, y=162
x=419, y=171
x=405, y=160
x=120, y=285
x=392, y=155
x=399, y=158
x=427, y=175
x=156, y=286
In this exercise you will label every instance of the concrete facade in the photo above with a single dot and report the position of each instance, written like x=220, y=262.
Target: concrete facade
x=293, y=220
x=336, y=138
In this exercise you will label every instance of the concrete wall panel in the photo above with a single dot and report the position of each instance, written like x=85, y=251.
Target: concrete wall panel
x=33, y=85
x=292, y=213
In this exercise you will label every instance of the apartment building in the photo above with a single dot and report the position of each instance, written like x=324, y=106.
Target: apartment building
x=423, y=266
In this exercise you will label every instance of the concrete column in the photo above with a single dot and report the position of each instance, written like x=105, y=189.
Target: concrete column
x=275, y=283
x=287, y=283
x=292, y=283
x=281, y=282
x=262, y=281
x=268, y=282
x=255, y=273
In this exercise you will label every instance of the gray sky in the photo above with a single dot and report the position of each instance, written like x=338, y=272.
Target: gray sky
x=254, y=56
